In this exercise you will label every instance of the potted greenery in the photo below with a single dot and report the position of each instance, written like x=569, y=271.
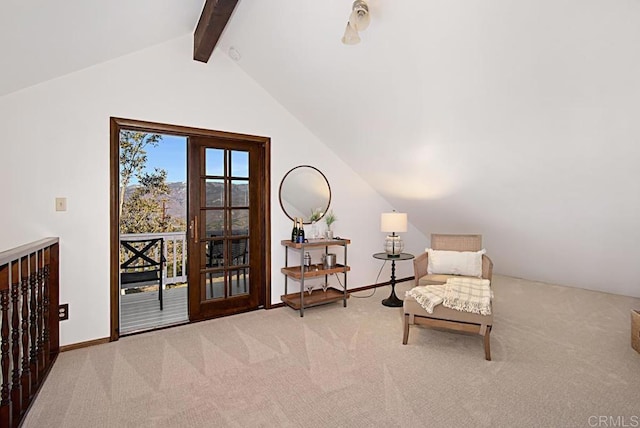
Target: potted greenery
x=330, y=218
x=316, y=214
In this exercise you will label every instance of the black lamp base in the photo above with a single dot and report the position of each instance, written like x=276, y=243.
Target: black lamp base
x=392, y=301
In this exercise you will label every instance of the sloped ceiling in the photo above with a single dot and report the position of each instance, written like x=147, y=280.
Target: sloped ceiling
x=517, y=120
x=41, y=40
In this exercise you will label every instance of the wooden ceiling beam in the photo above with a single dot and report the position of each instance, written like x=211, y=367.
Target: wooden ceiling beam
x=214, y=17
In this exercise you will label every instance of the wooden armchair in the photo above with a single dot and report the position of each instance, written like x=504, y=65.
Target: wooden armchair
x=443, y=317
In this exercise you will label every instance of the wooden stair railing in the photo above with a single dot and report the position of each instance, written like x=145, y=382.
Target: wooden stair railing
x=29, y=330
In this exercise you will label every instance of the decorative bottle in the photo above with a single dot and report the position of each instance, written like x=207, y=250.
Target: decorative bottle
x=301, y=232
x=294, y=231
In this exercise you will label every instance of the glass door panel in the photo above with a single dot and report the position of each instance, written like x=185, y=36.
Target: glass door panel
x=239, y=164
x=214, y=162
x=214, y=193
x=240, y=193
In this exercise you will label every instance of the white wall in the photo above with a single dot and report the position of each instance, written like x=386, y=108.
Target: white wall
x=518, y=120
x=55, y=142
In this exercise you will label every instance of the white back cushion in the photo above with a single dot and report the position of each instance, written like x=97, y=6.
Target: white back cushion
x=466, y=263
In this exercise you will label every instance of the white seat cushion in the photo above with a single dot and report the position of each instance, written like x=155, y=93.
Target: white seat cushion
x=437, y=279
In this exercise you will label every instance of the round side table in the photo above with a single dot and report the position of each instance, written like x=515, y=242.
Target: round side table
x=393, y=300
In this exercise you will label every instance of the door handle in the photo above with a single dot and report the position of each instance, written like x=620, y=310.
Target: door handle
x=193, y=228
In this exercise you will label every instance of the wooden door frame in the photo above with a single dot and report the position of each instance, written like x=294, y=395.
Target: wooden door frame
x=116, y=125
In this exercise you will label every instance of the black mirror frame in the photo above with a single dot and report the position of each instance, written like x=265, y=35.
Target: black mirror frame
x=285, y=177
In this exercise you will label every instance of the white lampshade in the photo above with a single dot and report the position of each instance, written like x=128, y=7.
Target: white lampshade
x=393, y=222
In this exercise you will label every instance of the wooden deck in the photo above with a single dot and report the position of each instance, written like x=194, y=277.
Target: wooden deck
x=141, y=311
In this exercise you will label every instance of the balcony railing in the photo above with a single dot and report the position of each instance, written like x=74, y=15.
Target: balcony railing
x=140, y=311
x=175, y=254
x=29, y=316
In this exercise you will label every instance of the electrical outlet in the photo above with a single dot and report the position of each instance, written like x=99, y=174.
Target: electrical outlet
x=63, y=312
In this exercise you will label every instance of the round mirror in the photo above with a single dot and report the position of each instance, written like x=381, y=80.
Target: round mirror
x=305, y=193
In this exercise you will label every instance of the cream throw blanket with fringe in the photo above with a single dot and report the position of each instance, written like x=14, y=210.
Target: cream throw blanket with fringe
x=463, y=294
x=428, y=296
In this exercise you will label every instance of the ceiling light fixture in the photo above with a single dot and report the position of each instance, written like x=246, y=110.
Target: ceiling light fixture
x=358, y=21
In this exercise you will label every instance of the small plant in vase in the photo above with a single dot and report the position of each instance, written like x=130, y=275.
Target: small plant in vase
x=330, y=218
x=316, y=215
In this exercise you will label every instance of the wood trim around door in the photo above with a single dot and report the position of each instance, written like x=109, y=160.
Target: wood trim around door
x=116, y=124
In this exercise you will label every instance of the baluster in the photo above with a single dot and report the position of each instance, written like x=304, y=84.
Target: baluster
x=16, y=406
x=45, y=302
x=33, y=320
x=26, y=372
x=5, y=401
x=40, y=332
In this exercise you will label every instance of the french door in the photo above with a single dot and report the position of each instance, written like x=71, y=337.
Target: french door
x=227, y=187
x=228, y=259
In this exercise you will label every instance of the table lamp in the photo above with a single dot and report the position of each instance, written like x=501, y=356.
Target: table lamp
x=393, y=222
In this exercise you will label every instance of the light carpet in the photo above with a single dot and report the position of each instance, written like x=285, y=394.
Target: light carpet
x=561, y=357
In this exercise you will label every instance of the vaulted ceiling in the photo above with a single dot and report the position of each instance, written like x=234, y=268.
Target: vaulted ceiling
x=41, y=40
x=517, y=120
x=514, y=119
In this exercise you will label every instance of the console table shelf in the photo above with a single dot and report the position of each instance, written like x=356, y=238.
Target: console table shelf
x=295, y=272
x=302, y=299
x=315, y=243
x=317, y=297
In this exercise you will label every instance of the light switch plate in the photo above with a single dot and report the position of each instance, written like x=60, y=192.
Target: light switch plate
x=61, y=204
